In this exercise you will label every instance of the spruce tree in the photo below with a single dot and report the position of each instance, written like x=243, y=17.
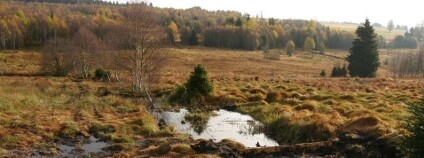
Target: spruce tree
x=363, y=56
x=239, y=22
x=322, y=74
x=198, y=84
x=193, y=40
x=413, y=142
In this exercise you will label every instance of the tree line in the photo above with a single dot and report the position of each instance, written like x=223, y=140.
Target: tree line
x=32, y=23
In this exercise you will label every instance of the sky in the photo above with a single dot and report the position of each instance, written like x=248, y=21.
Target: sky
x=402, y=12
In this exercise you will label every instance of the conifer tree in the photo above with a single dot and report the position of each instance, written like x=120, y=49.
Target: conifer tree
x=193, y=40
x=239, y=22
x=363, y=56
x=413, y=143
x=198, y=84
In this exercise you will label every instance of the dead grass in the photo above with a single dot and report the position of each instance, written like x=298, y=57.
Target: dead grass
x=19, y=62
x=34, y=111
x=331, y=106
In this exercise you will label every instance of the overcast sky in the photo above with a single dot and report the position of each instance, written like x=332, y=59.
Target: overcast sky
x=403, y=12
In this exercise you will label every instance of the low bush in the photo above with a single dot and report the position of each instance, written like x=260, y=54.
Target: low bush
x=413, y=142
x=102, y=74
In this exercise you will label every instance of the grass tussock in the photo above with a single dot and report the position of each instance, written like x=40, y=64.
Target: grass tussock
x=34, y=111
x=182, y=148
x=308, y=105
x=274, y=96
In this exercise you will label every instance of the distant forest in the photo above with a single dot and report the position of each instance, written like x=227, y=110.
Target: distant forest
x=32, y=22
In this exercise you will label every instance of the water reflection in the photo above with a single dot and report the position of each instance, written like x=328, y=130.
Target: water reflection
x=223, y=125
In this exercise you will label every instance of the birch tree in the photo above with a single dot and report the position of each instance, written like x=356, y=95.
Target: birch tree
x=145, y=37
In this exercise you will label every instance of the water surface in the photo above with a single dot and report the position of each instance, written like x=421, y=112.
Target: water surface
x=225, y=125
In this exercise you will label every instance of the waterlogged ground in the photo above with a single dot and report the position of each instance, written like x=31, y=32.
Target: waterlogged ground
x=93, y=146
x=223, y=125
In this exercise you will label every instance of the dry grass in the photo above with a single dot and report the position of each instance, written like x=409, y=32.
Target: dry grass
x=229, y=64
x=34, y=111
x=331, y=106
x=19, y=62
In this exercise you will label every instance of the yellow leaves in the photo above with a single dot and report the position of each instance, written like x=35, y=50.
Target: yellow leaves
x=173, y=27
x=309, y=44
x=280, y=30
x=173, y=31
x=251, y=24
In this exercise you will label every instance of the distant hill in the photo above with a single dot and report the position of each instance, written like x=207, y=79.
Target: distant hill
x=351, y=27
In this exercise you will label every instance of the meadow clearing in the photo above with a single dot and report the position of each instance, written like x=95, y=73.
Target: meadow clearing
x=378, y=30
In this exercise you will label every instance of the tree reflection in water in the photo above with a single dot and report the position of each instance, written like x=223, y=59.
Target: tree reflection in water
x=199, y=119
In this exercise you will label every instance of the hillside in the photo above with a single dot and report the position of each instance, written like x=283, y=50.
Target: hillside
x=379, y=30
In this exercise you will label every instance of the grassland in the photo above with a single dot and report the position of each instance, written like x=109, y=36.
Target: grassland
x=287, y=94
x=378, y=30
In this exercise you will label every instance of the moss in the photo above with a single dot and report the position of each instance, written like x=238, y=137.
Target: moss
x=9, y=141
x=70, y=130
x=122, y=139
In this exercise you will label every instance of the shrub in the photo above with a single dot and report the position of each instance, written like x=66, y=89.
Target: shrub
x=290, y=48
x=339, y=71
x=322, y=74
x=179, y=96
x=198, y=85
x=101, y=74
x=413, y=143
